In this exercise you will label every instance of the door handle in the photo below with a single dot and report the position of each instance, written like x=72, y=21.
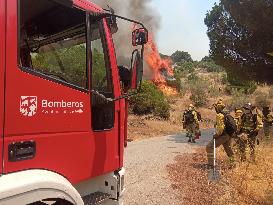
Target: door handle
x=19, y=151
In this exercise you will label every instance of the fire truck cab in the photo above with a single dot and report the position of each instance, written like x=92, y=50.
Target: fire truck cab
x=63, y=107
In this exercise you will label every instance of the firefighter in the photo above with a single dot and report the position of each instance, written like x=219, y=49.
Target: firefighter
x=221, y=136
x=238, y=118
x=267, y=121
x=250, y=125
x=191, y=120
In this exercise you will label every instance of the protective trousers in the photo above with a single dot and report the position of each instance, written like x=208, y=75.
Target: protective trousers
x=267, y=129
x=191, y=130
x=224, y=140
x=243, y=140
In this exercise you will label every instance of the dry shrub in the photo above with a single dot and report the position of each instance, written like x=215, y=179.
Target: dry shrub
x=214, y=91
x=199, y=92
x=208, y=118
x=261, y=99
x=270, y=92
x=238, y=99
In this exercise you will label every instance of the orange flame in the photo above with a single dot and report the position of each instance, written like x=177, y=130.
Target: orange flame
x=156, y=63
x=167, y=90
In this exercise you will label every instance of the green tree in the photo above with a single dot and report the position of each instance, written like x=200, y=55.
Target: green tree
x=70, y=64
x=241, y=33
x=66, y=63
x=150, y=101
x=207, y=59
x=181, y=56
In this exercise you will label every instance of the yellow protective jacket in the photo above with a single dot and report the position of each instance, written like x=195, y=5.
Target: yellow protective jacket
x=268, y=119
x=195, y=116
x=250, y=124
x=238, y=120
x=260, y=123
x=220, y=124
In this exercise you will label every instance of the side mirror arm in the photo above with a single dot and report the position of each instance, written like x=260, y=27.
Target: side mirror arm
x=108, y=100
x=142, y=66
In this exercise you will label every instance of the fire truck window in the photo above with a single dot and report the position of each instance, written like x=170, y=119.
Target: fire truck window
x=102, y=111
x=53, y=41
x=101, y=72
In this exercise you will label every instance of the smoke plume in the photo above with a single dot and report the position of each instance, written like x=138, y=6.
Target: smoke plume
x=139, y=10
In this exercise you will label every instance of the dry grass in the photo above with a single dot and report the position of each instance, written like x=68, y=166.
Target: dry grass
x=141, y=127
x=146, y=127
x=251, y=183
x=189, y=177
x=246, y=184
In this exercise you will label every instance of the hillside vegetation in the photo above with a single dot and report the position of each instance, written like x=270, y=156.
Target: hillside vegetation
x=200, y=83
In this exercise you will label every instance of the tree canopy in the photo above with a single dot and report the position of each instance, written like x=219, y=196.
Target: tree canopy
x=181, y=56
x=207, y=59
x=241, y=36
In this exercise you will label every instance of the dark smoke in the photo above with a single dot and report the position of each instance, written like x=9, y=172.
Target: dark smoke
x=139, y=10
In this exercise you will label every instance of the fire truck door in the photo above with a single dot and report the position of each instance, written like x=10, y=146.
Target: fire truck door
x=2, y=77
x=104, y=113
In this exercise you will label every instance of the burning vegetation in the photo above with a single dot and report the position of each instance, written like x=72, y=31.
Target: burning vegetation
x=162, y=70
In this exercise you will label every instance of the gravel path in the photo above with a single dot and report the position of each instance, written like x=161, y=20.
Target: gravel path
x=147, y=180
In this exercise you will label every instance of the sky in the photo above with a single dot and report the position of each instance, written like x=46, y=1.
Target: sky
x=182, y=26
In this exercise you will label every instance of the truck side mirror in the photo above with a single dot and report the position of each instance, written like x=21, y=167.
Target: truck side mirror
x=139, y=37
x=136, y=70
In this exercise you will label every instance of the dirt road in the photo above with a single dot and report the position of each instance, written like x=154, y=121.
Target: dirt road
x=147, y=180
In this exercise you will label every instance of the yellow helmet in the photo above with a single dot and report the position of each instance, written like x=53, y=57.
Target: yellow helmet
x=238, y=110
x=220, y=105
x=191, y=107
x=220, y=101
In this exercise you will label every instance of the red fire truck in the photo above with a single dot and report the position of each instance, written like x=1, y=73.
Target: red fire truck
x=63, y=107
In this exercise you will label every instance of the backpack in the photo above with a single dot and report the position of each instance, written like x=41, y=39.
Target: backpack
x=230, y=125
x=254, y=118
x=266, y=111
x=188, y=117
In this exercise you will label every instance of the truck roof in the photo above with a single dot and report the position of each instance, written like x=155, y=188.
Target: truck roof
x=87, y=5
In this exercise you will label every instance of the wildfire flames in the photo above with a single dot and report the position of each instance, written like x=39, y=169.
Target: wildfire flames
x=156, y=63
x=167, y=90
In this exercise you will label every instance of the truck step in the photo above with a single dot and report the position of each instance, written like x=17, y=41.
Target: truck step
x=95, y=198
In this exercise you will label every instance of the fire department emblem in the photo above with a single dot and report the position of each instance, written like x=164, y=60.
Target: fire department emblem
x=28, y=105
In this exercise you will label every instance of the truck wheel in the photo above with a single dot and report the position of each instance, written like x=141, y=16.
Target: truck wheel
x=37, y=203
x=62, y=202
x=58, y=202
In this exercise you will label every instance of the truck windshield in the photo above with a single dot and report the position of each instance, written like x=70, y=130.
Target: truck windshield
x=55, y=48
